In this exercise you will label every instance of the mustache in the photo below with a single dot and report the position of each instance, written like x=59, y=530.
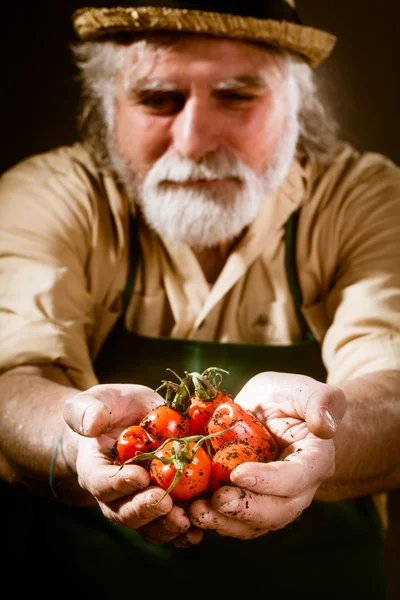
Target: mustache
x=173, y=168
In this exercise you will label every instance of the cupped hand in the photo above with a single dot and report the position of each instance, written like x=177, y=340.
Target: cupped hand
x=303, y=415
x=124, y=495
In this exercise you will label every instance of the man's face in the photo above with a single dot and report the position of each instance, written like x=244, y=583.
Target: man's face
x=202, y=127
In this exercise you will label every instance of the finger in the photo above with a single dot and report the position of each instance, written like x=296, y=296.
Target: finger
x=90, y=413
x=260, y=511
x=324, y=411
x=274, y=395
x=204, y=516
x=136, y=511
x=309, y=463
x=108, y=483
x=86, y=415
x=191, y=537
x=166, y=528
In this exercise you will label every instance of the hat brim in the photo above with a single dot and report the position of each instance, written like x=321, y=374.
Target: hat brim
x=314, y=45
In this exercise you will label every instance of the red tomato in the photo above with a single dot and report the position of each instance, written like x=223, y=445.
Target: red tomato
x=164, y=422
x=200, y=412
x=195, y=478
x=132, y=441
x=246, y=428
x=226, y=459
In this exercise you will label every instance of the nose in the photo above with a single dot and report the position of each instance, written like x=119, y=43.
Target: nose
x=196, y=130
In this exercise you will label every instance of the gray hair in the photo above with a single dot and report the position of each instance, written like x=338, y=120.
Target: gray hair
x=98, y=64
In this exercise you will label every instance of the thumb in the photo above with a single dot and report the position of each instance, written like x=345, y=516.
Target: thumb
x=86, y=415
x=324, y=411
x=322, y=406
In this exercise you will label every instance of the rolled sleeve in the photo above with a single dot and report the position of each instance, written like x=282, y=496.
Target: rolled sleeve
x=46, y=309
x=363, y=305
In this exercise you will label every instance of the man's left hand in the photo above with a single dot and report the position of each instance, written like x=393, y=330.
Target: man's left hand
x=303, y=415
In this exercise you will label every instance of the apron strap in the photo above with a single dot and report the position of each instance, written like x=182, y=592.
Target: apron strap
x=134, y=254
x=292, y=272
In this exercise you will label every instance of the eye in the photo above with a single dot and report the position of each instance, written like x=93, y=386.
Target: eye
x=236, y=98
x=162, y=103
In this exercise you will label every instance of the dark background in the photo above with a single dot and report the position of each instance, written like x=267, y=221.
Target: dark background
x=39, y=94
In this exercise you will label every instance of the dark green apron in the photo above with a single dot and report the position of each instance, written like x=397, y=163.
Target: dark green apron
x=334, y=550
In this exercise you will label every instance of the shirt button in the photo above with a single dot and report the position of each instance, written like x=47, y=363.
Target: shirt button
x=261, y=321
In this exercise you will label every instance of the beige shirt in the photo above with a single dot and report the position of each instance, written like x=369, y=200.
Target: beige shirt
x=64, y=259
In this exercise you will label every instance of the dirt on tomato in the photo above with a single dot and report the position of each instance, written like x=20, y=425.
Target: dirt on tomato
x=244, y=427
x=207, y=396
x=134, y=440
x=163, y=422
x=200, y=412
x=194, y=478
x=226, y=459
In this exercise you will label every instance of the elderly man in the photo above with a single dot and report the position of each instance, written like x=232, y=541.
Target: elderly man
x=211, y=215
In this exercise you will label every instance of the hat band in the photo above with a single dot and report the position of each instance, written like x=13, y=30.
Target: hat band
x=278, y=10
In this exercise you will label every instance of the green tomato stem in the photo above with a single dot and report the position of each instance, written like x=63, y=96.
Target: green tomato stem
x=180, y=454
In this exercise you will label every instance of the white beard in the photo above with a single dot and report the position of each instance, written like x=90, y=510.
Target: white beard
x=204, y=218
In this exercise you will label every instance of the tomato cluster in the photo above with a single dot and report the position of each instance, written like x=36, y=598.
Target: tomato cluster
x=192, y=442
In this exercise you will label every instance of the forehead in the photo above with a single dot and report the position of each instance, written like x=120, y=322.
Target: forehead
x=200, y=57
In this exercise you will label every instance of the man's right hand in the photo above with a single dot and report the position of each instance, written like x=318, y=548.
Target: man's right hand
x=124, y=495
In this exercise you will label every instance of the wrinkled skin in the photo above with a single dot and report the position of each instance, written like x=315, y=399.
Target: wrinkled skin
x=265, y=496
x=99, y=415
x=270, y=496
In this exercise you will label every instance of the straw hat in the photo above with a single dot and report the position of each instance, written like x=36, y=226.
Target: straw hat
x=264, y=21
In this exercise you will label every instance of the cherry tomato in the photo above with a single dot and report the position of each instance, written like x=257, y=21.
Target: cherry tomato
x=133, y=441
x=245, y=428
x=195, y=477
x=164, y=422
x=200, y=411
x=226, y=459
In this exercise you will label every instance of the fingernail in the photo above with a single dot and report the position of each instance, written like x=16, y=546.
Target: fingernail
x=229, y=507
x=246, y=482
x=87, y=419
x=328, y=418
